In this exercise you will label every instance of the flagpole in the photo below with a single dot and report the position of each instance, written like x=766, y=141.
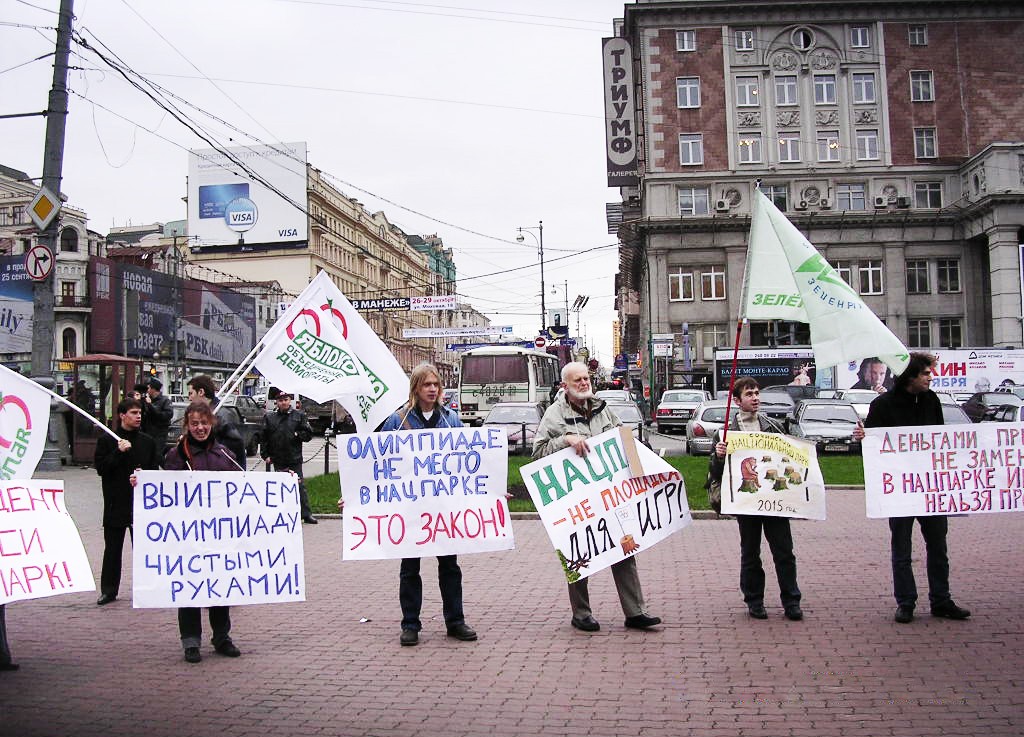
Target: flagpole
x=732, y=375
x=84, y=414
x=237, y=375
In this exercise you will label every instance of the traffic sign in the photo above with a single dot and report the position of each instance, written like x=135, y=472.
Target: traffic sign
x=44, y=208
x=39, y=262
x=540, y=341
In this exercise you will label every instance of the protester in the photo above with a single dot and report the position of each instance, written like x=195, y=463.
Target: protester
x=911, y=402
x=5, y=648
x=569, y=421
x=198, y=450
x=157, y=415
x=116, y=462
x=425, y=410
x=202, y=389
x=281, y=438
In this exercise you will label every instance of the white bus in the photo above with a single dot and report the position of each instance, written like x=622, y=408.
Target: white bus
x=504, y=374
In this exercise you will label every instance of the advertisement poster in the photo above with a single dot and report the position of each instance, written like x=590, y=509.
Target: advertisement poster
x=15, y=306
x=767, y=366
x=957, y=371
x=772, y=475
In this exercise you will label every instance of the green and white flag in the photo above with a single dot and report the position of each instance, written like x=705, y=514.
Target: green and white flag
x=787, y=279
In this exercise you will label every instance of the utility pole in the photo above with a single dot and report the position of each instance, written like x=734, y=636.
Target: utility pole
x=53, y=164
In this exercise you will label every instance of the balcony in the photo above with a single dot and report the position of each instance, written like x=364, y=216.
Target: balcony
x=70, y=301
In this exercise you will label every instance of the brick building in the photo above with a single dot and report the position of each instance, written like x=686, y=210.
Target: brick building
x=890, y=133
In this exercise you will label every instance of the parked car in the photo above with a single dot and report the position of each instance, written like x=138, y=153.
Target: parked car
x=982, y=405
x=676, y=406
x=828, y=423
x=946, y=398
x=1017, y=391
x=630, y=415
x=450, y=399
x=777, y=404
x=861, y=399
x=624, y=395
x=706, y=420
x=953, y=415
x=519, y=420
x=1008, y=413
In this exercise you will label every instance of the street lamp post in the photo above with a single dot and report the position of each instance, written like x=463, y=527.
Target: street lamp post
x=540, y=247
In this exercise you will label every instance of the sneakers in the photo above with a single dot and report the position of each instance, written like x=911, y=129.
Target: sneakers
x=642, y=621
x=192, y=655
x=587, y=624
x=905, y=614
x=794, y=613
x=949, y=610
x=757, y=611
x=409, y=637
x=462, y=632
x=227, y=649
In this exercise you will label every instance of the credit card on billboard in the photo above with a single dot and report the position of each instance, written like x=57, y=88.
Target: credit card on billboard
x=213, y=198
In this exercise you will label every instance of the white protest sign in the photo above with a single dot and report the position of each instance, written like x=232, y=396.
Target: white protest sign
x=597, y=511
x=208, y=538
x=772, y=475
x=41, y=553
x=418, y=493
x=944, y=469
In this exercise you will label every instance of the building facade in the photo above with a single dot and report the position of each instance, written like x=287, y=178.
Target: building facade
x=890, y=133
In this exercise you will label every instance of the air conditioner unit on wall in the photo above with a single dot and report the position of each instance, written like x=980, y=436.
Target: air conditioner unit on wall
x=801, y=205
x=824, y=204
x=903, y=202
x=881, y=203
x=722, y=206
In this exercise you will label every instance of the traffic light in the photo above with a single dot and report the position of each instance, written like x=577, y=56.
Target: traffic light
x=152, y=370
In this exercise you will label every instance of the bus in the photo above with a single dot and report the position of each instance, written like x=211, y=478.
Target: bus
x=504, y=374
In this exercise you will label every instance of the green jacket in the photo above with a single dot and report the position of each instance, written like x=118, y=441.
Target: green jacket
x=563, y=419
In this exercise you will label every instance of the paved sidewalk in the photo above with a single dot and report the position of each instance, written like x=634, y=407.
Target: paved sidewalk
x=314, y=669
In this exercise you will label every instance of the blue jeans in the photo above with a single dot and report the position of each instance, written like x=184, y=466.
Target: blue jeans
x=410, y=591
x=933, y=529
x=780, y=541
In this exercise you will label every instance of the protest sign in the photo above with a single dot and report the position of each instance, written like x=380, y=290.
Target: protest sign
x=417, y=493
x=944, y=469
x=772, y=475
x=24, y=416
x=597, y=510
x=207, y=538
x=41, y=553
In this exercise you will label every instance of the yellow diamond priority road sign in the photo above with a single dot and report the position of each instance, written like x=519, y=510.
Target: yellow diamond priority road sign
x=44, y=208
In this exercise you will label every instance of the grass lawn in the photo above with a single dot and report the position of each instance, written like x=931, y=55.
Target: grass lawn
x=837, y=470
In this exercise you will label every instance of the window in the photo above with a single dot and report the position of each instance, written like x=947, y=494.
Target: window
x=744, y=40
x=802, y=39
x=69, y=343
x=828, y=145
x=789, y=147
x=850, y=197
x=950, y=332
x=691, y=149
x=688, y=91
x=860, y=37
x=686, y=40
x=928, y=195
x=746, y=92
x=712, y=283
x=917, y=277
x=824, y=89
x=863, y=88
x=716, y=335
x=870, y=277
x=693, y=200
x=785, y=90
x=919, y=334
x=749, y=150
x=69, y=240
x=921, y=88
x=917, y=34
x=680, y=286
x=924, y=143
x=949, y=276
x=867, y=145
x=845, y=271
x=18, y=214
x=778, y=194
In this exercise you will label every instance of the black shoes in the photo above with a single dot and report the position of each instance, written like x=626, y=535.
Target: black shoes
x=641, y=622
x=462, y=632
x=106, y=599
x=228, y=649
x=311, y=520
x=192, y=655
x=587, y=624
x=905, y=614
x=9, y=666
x=757, y=611
x=409, y=637
x=949, y=610
x=794, y=613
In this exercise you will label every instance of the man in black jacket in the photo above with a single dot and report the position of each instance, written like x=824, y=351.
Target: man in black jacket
x=227, y=433
x=157, y=415
x=284, y=431
x=912, y=402
x=115, y=462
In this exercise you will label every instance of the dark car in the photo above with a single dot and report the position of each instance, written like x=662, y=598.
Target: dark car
x=982, y=405
x=519, y=420
x=828, y=423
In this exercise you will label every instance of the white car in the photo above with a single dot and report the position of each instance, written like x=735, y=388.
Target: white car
x=861, y=399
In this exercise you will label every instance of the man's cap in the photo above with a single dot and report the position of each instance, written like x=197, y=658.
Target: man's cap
x=156, y=384
x=285, y=395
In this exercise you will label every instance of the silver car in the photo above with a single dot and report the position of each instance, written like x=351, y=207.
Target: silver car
x=861, y=399
x=676, y=407
x=707, y=419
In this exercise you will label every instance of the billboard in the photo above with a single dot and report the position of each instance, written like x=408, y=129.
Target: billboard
x=620, y=113
x=226, y=201
x=15, y=306
x=769, y=366
x=961, y=371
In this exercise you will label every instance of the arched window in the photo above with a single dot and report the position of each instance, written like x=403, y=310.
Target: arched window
x=69, y=343
x=69, y=240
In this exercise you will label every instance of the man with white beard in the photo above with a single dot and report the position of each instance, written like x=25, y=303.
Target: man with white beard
x=569, y=422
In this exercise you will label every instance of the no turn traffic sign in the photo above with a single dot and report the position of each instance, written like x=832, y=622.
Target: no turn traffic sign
x=39, y=262
x=540, y=341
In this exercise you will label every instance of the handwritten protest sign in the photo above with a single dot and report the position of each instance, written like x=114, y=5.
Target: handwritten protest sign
x=416, y=493
x=41, y=553
x=597, y=511
x=944, y=469
x=772, y=475
x=205, y=538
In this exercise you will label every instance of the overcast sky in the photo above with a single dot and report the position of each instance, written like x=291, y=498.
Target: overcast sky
x=478, y=116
